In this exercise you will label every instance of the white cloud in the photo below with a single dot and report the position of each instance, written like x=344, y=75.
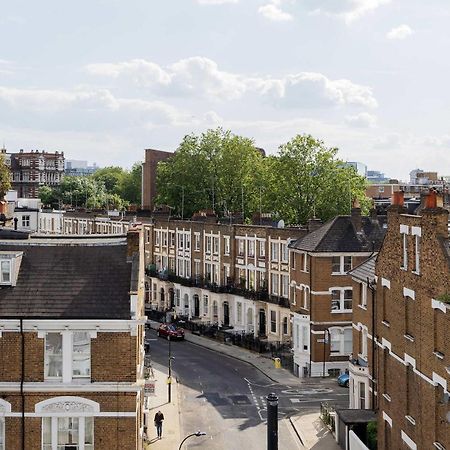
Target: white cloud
x=362, y=120
x=272, y=12
x=400, y=32
x=201, y=77
x=349, y=10
x=216, y=2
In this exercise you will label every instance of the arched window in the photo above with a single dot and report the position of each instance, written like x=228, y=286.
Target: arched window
x=68, y=422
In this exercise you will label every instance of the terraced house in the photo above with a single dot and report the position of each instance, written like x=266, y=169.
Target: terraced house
x=232, y=275
x=401, y=364
x=71, y=342
x=322, y=291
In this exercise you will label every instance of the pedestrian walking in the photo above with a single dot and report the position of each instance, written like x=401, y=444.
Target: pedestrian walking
x=159, y=417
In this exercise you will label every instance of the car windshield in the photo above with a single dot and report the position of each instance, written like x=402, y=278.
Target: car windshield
x=172, y=328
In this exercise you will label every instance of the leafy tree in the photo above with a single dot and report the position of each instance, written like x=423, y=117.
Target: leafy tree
x=310, y=181
x=112, y=177
x=131, y=185
x=5, y=177
x=215, y=170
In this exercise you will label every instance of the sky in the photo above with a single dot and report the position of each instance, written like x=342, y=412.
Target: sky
x=102, y=80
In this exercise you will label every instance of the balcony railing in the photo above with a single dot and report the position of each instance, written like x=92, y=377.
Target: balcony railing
x=229, y=288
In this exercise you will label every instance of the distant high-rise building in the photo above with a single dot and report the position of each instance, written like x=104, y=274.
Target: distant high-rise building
x=79, y=168
x=360, y=168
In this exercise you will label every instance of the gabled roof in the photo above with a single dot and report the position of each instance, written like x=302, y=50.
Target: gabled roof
x=74, y=281
x=339, y=235
x=365, y=271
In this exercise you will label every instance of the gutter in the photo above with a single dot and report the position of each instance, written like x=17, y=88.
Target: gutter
x=22, y=379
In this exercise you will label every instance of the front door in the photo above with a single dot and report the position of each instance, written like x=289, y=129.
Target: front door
x=262, y=322
x=226, y=314
x=196, y=306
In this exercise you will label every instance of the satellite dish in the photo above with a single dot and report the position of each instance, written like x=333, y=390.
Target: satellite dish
x=280, y=224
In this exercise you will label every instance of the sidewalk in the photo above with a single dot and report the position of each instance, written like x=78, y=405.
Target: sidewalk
x=311, y=431
x=171, y=436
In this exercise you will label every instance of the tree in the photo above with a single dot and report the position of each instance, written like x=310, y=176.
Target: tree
x=216, y=170
x=112, y=178
x=131, y=185
x=310, y=181
x=5, y=177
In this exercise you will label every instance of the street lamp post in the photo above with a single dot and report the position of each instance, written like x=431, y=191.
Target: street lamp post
x=169, y=379
x=198, y=434
x=326, y=334
x=272, y=422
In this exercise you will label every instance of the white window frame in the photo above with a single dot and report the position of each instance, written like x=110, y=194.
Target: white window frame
x=9, y=271
x=26, y=221
x=226, y=245
x=67, y=356
x=404, y=232
x=196, y=241
x=342, y=299
x=341, y=264
x=274, y=251
x=340, y=332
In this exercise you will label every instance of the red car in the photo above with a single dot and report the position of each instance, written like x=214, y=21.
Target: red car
x=170, y=331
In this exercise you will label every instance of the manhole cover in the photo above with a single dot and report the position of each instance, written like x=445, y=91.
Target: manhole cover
x=240, y=399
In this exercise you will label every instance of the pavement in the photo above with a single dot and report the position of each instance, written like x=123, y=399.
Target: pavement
x=171, y=435
x=309, y=428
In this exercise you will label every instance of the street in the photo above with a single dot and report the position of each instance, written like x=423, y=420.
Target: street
x=226, y=398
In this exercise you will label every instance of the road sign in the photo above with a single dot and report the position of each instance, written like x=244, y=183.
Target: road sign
x=149, y=387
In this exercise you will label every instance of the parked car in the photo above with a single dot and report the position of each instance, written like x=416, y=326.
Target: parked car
x=170, y=331
x=343, y=379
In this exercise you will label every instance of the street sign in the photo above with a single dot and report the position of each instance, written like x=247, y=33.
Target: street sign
x=149, y=387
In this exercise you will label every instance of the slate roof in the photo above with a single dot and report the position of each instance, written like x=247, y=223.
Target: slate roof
x=365, y=271
x=73, y=281
x=339, y=235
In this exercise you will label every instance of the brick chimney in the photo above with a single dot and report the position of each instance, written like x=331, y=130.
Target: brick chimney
x=133, y=237
x=314, y=224
x=398, y=198
x=356, y=215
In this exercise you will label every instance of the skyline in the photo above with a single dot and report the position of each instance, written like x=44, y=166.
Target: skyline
x=104, y=80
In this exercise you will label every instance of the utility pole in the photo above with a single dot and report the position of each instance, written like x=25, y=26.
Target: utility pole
x=169, y=379
x=272, y=422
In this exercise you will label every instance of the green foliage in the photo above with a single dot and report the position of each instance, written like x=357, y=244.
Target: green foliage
x=445, y=298
x=312, y=182
x=224, y=172
x=372, y=435
x=108, y=188
x=216, y=170
x=5, y=177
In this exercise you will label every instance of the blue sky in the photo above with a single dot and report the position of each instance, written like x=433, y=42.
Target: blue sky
x=102, y=80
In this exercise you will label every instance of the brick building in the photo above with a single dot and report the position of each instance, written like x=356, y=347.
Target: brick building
x=149, y=167
x=232, y=275
x=30, y=170
x=322, y=292
x=401, y=365
x=71, y=342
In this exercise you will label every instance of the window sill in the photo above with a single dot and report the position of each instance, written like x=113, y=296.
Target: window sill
x=387, y=397
x=409, y=337
x=342, y=311
x=386, y=323
x=415, y=272
x=410, y=420
x=339, y=273
x=439, y=355
x=404, y=268
x=364, y=307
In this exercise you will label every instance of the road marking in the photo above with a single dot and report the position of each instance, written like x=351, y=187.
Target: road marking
x=259, y=385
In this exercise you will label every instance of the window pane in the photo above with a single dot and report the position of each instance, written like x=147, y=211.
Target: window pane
x=335, y=346
x=89, y=431
x=348, y=299
x=347, y=263
x=335, y=300
x=67, y=430
x=336, y=264
x=53, y=355
x=46, y=431
x=6, y=271
x=81, y=356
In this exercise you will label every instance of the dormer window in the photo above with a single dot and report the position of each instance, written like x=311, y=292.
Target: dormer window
x=5, y=272
x=9, y=267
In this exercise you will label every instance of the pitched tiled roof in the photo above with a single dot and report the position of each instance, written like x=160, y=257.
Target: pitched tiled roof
x=340, y=235
x=365, y=271
x=84, y=281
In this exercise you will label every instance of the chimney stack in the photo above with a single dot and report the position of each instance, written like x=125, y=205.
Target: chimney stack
x=398, y=198
x=314, y=224
x=356, y=215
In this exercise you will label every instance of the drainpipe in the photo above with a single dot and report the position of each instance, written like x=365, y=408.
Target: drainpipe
x=22, y=378
x=310, y=312
x=374, y=362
